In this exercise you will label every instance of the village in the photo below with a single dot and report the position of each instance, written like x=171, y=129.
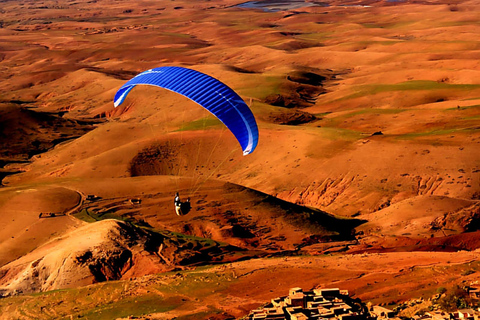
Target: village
x=336, y=304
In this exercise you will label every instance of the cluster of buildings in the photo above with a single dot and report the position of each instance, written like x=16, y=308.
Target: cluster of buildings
x=335, y=304
x=328, y=304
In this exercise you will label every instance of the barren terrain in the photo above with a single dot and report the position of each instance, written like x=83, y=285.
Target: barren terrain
x=366, y=175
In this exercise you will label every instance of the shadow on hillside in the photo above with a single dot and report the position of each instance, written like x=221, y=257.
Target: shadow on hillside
x=324, y=226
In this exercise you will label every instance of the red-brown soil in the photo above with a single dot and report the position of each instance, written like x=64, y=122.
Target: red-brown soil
x=366, y=175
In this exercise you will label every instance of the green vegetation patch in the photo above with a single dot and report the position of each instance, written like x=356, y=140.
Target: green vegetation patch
x=205, y=243
x=416, y=85
x=472, y=118
x=132, y=306
x=376, y=111
x=262, y=109
x=424, y=85
x=317, y=36
x=336, y=134
x=382, y=43
x=467, y=112
x=86, y=216
x=177, y=35
x=198, y=283
x=90, y=216
x=464, y=108
x=380, y=25
x=335, y=121
x=202, y=124
x=334, y=141
x=261, y=87
x=436, y=132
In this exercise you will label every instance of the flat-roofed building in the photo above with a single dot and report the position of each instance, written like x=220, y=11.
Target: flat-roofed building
x=326, y=313
x=328, y=293
x=278, y=302
x=296, y=300
x=293, y=310
x=294, y=291
x=314, y=304
x=274, y=313
x=339, y=310
x=438, y=315
x=342, y=305
x=299, y=316
x=259, y=316
x=317, y=298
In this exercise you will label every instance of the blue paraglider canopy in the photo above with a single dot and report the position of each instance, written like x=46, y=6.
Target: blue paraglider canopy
x=208, y=92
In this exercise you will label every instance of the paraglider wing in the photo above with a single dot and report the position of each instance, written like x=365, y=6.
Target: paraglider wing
x=208, y=92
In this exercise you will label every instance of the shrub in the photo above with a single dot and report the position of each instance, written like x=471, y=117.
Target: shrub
x=456, y=298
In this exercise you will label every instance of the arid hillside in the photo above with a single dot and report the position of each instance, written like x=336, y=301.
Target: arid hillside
x=366, y=175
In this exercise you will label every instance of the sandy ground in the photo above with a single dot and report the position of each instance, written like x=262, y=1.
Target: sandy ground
x=368, y=111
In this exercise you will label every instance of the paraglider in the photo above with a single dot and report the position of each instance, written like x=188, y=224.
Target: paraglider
x=178, y=204
x=208, y=92
x=181, y=208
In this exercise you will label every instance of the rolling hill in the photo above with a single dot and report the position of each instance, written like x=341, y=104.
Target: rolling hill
x=365, y=176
